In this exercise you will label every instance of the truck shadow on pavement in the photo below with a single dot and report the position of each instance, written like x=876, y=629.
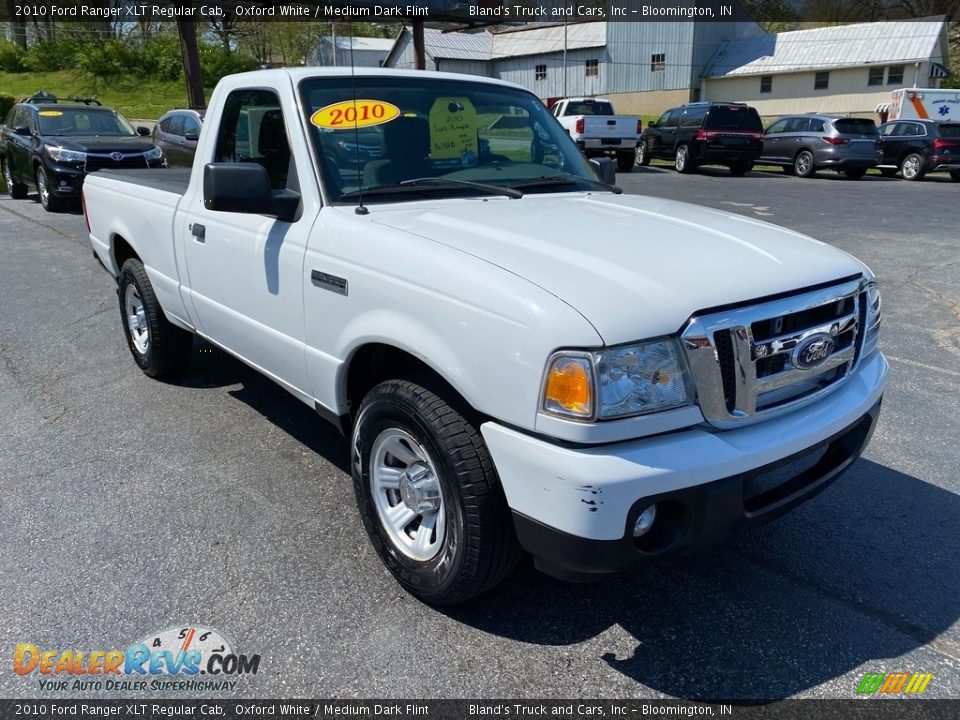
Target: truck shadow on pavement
x=862, y=574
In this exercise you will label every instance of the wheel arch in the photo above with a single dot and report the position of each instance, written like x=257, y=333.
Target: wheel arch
x=121, y=250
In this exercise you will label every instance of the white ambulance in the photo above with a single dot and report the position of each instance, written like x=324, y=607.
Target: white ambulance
x=923, y=104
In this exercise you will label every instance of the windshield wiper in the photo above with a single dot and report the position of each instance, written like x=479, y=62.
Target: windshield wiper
x=439, y=183
x=548, y=180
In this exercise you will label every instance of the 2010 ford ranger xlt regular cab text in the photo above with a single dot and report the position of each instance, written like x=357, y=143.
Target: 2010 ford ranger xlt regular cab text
x=522, y=358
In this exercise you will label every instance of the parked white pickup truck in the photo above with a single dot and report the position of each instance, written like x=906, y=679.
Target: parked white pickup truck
x=597, y=131
x=522, y=358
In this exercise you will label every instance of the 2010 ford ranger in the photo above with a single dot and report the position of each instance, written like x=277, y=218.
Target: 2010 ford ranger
x=523, y=358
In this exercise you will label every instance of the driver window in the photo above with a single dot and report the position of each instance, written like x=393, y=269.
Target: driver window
x=252, y=130
x=777, y=127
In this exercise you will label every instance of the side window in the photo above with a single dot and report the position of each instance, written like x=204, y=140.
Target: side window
x=816, y=125
x=667, y=119
x=798, y=125
x=165, y=125
x=691, y=118
x=176, y=125
x=778, y=127
x=252, y=130
x=191, y=125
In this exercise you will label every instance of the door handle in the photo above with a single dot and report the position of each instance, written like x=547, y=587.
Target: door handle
x=199, y=232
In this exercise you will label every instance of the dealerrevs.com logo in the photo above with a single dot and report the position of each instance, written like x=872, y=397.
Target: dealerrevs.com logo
x=894, y=683
x=181, y=653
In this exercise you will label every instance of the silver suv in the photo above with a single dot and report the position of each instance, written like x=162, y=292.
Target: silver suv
x=803, y=144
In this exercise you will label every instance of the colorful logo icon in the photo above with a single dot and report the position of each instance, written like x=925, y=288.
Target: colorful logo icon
x=902, y=683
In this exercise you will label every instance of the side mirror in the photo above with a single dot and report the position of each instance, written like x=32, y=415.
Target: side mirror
x=245, y=188
x=605, y=170
x=21, y=130
x=191, y=135
x=652, y=124
x=143, y=131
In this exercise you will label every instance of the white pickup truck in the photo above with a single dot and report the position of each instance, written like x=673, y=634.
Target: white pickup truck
x=523, y=358
x=597, y=131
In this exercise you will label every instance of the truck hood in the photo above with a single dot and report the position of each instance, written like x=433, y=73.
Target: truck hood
x=633, y=266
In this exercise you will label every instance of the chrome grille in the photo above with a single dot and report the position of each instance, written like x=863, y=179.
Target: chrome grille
x=754, y=362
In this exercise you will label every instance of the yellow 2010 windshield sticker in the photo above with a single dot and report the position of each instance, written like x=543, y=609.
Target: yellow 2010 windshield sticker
x=351, y=114
x=50, y=113
x=453, y=130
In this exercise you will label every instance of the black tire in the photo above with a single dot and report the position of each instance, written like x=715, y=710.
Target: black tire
x=741, y=169
x=888, y=172
x=803, y=164
x=479, y=548
x=49, y=201
x=625, y=162
x=682, y=160
x=955, y=175
x=168, y=347
x=912, y=167
x=855, y=174
x=18, y=191
x=643, y=154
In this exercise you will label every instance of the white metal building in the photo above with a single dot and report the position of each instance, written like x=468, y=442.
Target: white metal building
x=848, y=69
x=366, y=51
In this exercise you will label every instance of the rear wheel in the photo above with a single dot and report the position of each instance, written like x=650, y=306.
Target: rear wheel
x=428, y=494
x=682, y=162
x=741, y=168
x=855, y=174
x=17, y=191
x=50, y=202
x=643, y=154
x=158, y=346
x=803, y=164
x=911, y=167
x=625, y=161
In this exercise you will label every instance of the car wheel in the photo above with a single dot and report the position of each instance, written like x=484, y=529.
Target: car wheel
x=50, y=202
x=855, y=174
x=955, y=175
x=17, y=191
x=682, y=161
x=888, y=172
x=803, y=164
x=741, y=169
x=911, y=167
x=158, y=346
x=428, y=494
x=625, y=162
x=643, y=154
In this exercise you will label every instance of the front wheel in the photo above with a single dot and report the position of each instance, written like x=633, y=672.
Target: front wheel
x=625, y=162
x=50, y=202
x=643, y=155
x=682, y=162
x=803, y=165
x=428, y=494
x=911, y=168
x=17, y=191
x=158, y=346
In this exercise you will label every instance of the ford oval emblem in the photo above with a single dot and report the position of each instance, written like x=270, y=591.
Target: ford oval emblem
x=117, y=157
x=813, y=351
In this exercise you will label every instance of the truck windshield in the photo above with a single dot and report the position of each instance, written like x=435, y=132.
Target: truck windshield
x=82, y=121
x=382, y=132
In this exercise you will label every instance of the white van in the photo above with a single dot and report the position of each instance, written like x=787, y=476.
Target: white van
x=922, y=104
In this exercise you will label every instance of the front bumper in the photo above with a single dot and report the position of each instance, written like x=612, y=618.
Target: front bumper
x=574, y=508
x=65, y=180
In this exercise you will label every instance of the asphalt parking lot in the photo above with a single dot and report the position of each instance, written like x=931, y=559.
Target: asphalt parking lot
x=130, y=506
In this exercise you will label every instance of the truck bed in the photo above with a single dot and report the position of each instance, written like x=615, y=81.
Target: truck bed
x=174, y=180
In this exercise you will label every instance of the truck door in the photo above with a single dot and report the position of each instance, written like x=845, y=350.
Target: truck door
x=246, y=270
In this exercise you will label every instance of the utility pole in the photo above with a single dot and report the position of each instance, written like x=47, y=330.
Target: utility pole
x=419, y=51
x=565, y=56
x=191, y=63
x=333, y=41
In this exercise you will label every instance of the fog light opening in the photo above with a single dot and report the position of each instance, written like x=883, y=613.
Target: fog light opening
x=645, y=521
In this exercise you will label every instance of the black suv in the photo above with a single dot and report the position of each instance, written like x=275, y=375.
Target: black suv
x=704, y=133
x=916, y=147
x=50, y=146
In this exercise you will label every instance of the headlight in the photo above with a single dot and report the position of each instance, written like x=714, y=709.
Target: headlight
x=60, y=154
x=617, y=382
x=154, y=154
x=874, y=316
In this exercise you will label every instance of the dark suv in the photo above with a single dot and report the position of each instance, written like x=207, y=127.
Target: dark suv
x=705, y=133
x=916, y=147
x=50, y=146
x=803, y=144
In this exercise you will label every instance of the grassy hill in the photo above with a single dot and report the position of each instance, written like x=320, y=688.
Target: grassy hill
x=134, y=98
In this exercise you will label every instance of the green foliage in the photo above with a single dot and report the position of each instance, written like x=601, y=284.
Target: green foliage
x=11, y=56
x=215, y=62
x=6, y=102
x=109, y=59
x=162, y=58
x=51, y=55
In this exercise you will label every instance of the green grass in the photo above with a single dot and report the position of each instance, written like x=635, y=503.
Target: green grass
x=134, y=98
